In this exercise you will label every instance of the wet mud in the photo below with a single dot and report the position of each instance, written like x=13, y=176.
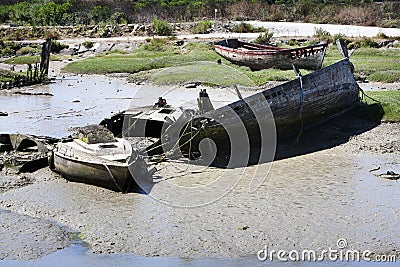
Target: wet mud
x=309, y=199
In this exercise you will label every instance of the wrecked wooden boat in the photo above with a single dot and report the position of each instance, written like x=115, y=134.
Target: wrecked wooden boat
x=25, y=152
x=292, y=107
x=258, y=57
x=94, y=156
x=147, y=123
x=282, y=111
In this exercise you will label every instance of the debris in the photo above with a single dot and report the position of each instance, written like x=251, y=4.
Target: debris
x=192, y=85
x=375, y=169
x=245, y=227
x=3, y=113
x=33, y=93
x=391, y=175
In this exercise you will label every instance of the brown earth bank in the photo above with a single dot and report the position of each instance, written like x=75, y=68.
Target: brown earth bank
x=328, y=188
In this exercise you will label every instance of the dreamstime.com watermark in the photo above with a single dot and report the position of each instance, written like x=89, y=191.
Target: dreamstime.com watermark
x=339, y=253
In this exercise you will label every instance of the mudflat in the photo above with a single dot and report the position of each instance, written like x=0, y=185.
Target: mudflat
x=329, y=190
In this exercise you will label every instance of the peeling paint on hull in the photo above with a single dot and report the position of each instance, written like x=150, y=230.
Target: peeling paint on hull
x=258, y=57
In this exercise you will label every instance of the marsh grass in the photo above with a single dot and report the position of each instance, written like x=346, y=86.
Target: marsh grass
x=29, y=59
x=204, y=72
x=377, y=64
x=389, y=101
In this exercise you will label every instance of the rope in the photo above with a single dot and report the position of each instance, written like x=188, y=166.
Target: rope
x=363, y=94
x=301, y=106
x=112, y=177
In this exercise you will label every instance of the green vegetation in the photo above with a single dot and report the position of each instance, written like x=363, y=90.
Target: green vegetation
x=378, y=65
x=204, y=72
x=264, y=39
x=153, y=55
x=203, y=27
x=6, y=76
x=26, y=50
x=246, y=27
x=389, y=101
x=88, y=44
x=56, y=46
x=157, y=54
x=29, y=59
x=85, y=12
x=162, y=28
x=321, y=33
x=8, y=48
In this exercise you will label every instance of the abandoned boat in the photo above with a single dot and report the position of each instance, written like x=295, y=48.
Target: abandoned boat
x=285, y=110
x=147, y=123
x=258, y=57
x=94, y=156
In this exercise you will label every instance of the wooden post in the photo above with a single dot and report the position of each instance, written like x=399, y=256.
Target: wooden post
x=45, y=59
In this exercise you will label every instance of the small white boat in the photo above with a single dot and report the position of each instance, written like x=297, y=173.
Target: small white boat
x=95, y=157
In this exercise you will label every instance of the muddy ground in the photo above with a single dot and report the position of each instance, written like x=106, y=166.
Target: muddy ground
x=322, y=189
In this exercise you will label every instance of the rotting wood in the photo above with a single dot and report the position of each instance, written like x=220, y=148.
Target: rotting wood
x=258, y=57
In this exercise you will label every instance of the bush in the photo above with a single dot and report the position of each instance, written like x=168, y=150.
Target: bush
x=321, y=33
x=265, y=38
x=340, y=36
x=56, y=46
x=202, y=27
x=27, y=50
x=155, y=44
x=293, y=42
x=364, y=42
x=246, y=27
x=381, y=35
x=88, y=44
x=8, y=48
x=162, y=28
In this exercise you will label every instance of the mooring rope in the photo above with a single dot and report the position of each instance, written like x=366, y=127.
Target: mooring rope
x=363, y=94
x=112, y=177
x=300, y=77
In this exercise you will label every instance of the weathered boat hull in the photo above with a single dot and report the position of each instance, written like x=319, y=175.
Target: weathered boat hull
x=258, y=57
x=114, y=177
x=291, y=107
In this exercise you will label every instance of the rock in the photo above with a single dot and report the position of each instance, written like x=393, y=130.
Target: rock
x=3, y=113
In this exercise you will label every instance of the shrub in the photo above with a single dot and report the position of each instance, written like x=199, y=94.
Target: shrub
x=88, y=44
x=293, y=42
x=27, y=50
x=381, y=35
x=202, y=27
x=264, y=38
x=246, y=27
x=364, y=42
x=155, y=44
x=51, y=35
x=162, y=28
x=340, y=36
x=8, y=48
x=321, y=33
x=56, y=46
